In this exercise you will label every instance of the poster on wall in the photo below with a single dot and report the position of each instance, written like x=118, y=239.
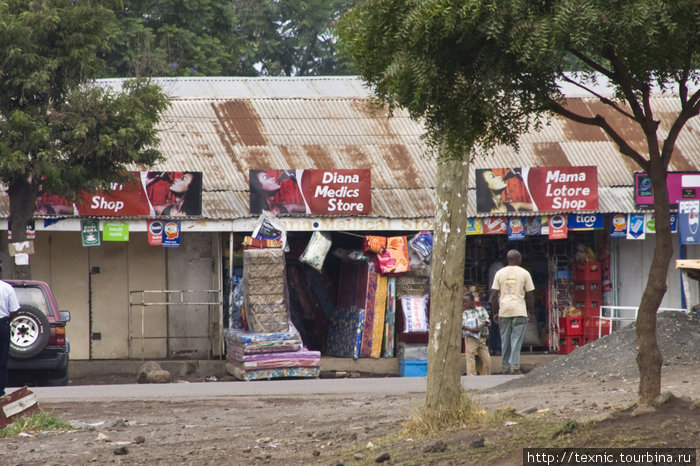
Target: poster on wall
x=516, y=229
x=682, y=186
x=618, y=226
x=90, y=232
x=557, y=227
x=475, y=226
x=536, y=189
x=585, y=222
x=311, y=191
x=495, y=225
x=115, y=231
x=635, y=226
x=155, y=232
x=533, y=225
x=152, y=193
x=689, y=222
x=171, y=234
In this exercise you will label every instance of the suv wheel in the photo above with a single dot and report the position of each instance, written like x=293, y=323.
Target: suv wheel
x=29, y=332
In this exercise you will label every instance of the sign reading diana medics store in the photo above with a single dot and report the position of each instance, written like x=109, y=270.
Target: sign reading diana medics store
x=311, y=191
x=537, y=189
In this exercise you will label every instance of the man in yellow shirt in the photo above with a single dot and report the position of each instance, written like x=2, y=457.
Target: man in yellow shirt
x=512, y=303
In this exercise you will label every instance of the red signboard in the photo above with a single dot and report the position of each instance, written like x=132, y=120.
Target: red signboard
x=167, y=194
x=537, y=189
x=313, y=191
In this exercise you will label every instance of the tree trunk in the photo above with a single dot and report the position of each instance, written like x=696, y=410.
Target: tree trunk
x=447, y=281
x=22, y=197
x=649, y=358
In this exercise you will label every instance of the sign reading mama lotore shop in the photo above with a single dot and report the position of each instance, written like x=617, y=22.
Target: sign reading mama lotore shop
x=311, y=191
x=537, y=189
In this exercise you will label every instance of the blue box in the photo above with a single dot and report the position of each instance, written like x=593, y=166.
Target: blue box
x=409, y=368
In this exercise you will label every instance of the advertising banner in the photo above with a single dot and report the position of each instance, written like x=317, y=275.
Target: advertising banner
x=557, y=227
x=90, y=232
x=475, y=226
x=516, y=229
x=115, y=231
x=171, y=234
x=533, y=225
x=635, y=227
x=688, y=222
x=495, y=225
x=152, y=193
x=618, y=226
x=311, y=191
x=682, y=186
x=537, y=189
x=582, y=222
x=155, y=233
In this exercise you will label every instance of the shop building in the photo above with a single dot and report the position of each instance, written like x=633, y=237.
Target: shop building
x=226, y=127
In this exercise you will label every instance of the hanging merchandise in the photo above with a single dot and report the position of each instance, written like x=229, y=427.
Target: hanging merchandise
x=415, y=313
x=269, y=227
x=422, y=243
x=316, y=251
x=390, y=254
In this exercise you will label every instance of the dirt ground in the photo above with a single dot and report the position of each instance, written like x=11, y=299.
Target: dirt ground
x=596, y=382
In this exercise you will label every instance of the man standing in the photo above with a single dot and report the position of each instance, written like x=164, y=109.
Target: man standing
x=8, y=305
x=475, y=326
x=512, y=303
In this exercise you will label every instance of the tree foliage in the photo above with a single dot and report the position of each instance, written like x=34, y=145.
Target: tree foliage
x=58, y=132
x=290, y=37
x=174, y=38
x=480, y=72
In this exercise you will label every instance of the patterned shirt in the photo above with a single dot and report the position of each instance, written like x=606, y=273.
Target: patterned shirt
x=478, y=313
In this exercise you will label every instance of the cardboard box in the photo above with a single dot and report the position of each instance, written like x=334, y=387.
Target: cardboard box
x=416, y=368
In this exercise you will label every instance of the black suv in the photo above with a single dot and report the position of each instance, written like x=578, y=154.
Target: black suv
x=39, y=347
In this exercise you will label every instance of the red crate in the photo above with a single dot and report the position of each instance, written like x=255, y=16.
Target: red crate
x=571, y=326
x=588, y=307
x=587, y=271
x=587, y=340
x=590, y=291
x=591, y=325
x=568, y=344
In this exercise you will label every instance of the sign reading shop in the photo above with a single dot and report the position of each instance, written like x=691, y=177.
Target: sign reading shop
x=537, y=189
x=311, y=191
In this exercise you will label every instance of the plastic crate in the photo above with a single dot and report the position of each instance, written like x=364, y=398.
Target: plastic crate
x=415, y=368
x=568, y=343
x=588, y=307
x=587, y=271
x=592, y=324
x=587, y=291
x=571, y=326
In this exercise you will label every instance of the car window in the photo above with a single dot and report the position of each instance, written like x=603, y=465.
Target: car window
x=32, y=297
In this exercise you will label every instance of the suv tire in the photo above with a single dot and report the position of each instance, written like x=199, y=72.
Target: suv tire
x=29, y=332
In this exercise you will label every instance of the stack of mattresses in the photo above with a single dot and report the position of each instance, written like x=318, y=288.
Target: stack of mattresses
x=364, y=323
x=258, y=356
x=264, y=290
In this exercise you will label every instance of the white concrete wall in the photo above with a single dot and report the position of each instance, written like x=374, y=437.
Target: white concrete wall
x=633, y=262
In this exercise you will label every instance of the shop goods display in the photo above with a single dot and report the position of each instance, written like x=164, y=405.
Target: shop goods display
x=265, y=306
x=279, y=373
x=316, y=251
x=258, y=356
x=379, y=316
x=345, y=332
x=389, y=319
x=415, y=313
x=390, y=254
x=367, y=297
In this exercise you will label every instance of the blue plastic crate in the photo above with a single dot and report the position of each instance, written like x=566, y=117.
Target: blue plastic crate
x=416, y=368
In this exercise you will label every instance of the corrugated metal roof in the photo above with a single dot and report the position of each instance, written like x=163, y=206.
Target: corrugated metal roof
x=329, y=123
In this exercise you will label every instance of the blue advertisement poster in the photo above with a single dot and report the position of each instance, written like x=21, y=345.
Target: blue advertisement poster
x=585, y=221
x=171, y=234
x=688, y=220
x=516, y=229
x=618, y=226
x=635, y=227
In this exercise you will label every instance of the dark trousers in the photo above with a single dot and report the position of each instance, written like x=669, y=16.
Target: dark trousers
x=4, y=352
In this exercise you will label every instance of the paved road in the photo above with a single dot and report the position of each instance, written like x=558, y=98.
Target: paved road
x=207, y=390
